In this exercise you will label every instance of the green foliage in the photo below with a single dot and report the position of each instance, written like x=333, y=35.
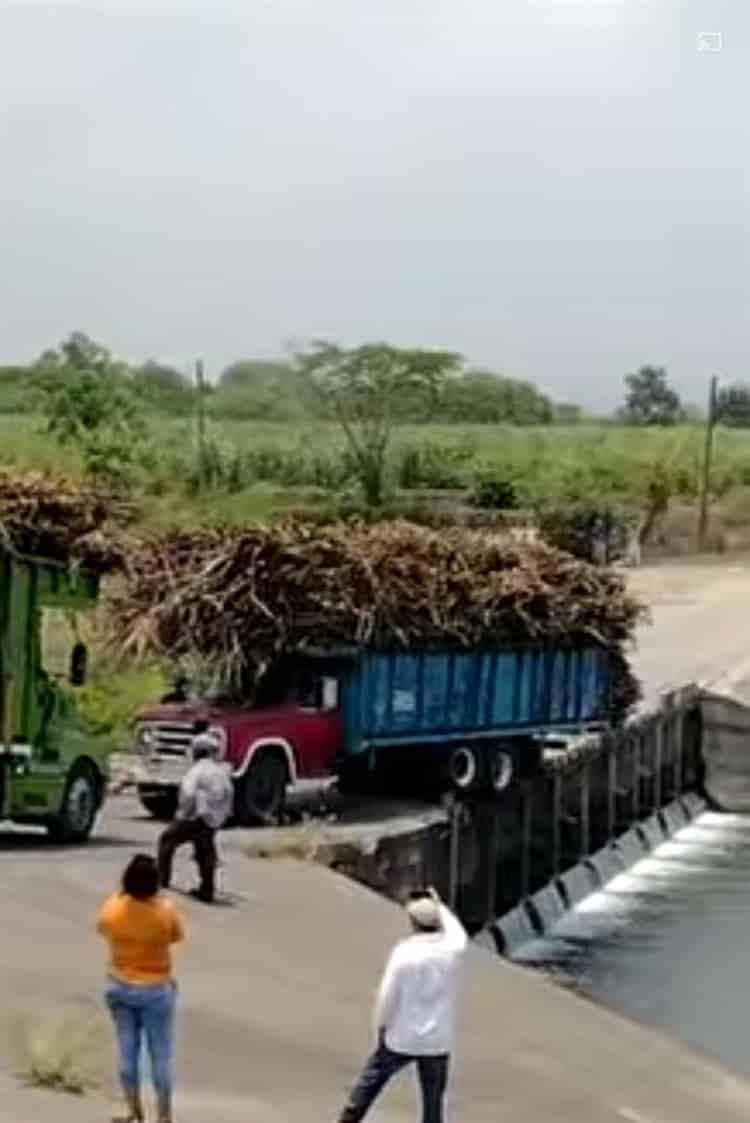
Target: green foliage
x=256, y=390
x=495, y=489
x=89, y=402
x=733, y=405
x=435, y=465
x=481, y=397
x=112, y=696
x=18, y=389
x=366, y=390
x=650, y=400
x=164, y=389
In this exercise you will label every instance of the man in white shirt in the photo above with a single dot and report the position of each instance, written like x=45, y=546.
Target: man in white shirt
x=415, y=1009
x=206, y=802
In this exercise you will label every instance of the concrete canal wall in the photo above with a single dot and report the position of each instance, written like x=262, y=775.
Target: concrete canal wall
x=551, y=838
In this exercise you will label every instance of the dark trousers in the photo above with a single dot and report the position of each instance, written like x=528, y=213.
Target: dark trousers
x=203, y=838
x=382, y=1066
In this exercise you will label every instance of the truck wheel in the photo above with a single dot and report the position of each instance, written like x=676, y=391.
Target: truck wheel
x=261, y=792
x=75, y=820
x=500, y=769
x=464, y=767
x=162, y=807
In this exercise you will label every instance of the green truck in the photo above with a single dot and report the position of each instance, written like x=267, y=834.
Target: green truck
x=51, y=772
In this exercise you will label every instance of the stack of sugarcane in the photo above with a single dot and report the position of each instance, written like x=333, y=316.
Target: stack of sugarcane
x=241, y=598
x=51, y=517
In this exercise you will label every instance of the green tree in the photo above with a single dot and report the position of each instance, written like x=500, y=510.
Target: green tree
x=367, y=389
x=89, y=401
x=17, y=389
x=163, y=388
x=649, y=399
x=260, y=390
x=481, y=397
x=733, y=405
x=566, y=413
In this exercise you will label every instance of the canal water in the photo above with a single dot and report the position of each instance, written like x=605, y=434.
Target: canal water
x=668, y=941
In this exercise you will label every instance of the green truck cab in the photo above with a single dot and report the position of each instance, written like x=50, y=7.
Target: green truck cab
x=51, y=772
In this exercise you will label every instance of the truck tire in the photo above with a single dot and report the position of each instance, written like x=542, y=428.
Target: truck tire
x=464, y=767
x=80, y=806
x=161, y=806
x=261, y=793
x=500, y=769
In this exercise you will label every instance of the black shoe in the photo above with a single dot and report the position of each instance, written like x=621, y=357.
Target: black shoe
x=202, y=895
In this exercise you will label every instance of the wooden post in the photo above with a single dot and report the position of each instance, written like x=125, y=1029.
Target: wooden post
x=200, y=387
x=706, y=468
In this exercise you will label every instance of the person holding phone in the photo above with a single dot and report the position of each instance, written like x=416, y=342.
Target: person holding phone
x=415, y=1009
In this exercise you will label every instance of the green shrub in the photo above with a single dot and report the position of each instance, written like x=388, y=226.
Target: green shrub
x=435, y=466
x=495, y=490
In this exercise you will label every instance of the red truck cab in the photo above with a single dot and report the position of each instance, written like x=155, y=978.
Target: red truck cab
x=267, y=747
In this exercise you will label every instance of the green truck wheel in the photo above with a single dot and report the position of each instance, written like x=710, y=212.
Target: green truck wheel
x=80, y=805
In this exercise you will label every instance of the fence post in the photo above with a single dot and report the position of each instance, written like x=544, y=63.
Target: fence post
x=678, y=751
x=526, y=832
x=612, y=790
x=636, y=793
x=556, y=823
x=658, y=757
x=585, y=811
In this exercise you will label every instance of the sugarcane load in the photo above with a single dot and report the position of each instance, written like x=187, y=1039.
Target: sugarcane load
x=367, y=650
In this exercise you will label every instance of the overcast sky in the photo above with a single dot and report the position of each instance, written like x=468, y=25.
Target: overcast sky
x=558, y=189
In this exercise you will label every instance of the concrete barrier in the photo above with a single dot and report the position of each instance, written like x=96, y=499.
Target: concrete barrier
x=726, y=752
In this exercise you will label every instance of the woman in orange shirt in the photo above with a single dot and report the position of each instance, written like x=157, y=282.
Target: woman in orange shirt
x=141, y=927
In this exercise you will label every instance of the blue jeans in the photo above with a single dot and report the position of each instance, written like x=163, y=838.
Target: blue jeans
x=144, y=1013
x=382, y=1067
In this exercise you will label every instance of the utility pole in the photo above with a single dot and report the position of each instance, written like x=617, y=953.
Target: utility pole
x=707, y=458
x=201, y=422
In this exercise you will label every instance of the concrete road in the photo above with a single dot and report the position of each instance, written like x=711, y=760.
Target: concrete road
x=276, y=987
x=700, y=628
x=277, y=982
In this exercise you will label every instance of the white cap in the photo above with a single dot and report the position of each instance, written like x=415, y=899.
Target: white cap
x=425, y=913
x=206, y=744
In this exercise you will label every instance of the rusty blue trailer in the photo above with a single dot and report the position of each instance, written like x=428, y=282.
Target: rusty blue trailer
x=448, y=706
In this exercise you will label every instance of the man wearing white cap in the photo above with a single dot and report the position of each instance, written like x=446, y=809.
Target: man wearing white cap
x=415, y=1009
x=206, y=802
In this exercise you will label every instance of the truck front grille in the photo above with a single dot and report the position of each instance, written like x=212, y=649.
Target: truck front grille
x=171, y=738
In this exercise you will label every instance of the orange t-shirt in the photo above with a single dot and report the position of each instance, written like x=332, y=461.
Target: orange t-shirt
x=140, y=935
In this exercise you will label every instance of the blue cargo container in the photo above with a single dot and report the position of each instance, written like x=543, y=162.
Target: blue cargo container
x=433, y=698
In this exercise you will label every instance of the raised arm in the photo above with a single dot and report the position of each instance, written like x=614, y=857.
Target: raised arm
x=454, y=933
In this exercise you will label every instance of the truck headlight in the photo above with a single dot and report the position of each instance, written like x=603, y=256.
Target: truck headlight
x=144, y=740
